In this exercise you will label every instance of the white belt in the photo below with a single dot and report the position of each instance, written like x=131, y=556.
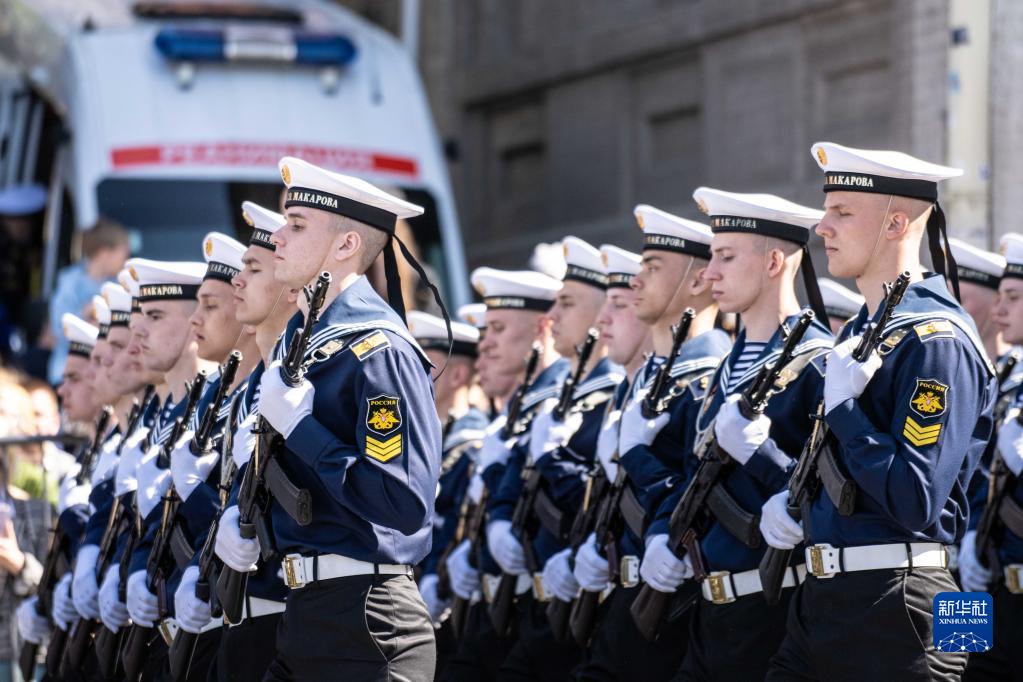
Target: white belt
x=723, y=587
x=300, y=570
x=255, y=607
x=523, y=584
x=825, y=561
x=168, y=628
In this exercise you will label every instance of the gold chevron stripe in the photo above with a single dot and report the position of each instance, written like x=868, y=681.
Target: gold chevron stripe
x=370, y=440
x=383, y=456
x=911, y=425
x=383, y=451
x=921, y=436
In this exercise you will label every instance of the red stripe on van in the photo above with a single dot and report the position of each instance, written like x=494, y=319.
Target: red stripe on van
x=257, y=154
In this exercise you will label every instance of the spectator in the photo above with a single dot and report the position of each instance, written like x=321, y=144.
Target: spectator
x=105, y=248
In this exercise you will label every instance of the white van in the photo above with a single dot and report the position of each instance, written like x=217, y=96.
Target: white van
x=165, y=115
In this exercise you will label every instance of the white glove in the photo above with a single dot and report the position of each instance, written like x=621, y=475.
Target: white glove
x=64, y=614
x=434, y=604
x=779, y=529
x=557, y=578
x=112, y=611
x=31, y=625
x=592, y=571
x=661, y=569
x=505, y=547
x=463, y=577
x=281, y=405
x=143, y=607
x=107, y=463
x=244, y=441
x=84, y=590
x=607, y=444
x=738, y=436
x=1010, y=442
x=635, y=429
x=152, y=482
x=972, y=574
x=844, y=377
x=547, y=434
x=476, y=488
x=191, y=613
x=72, y=493
x=237, y=552
x=187, y=470
x=125, y=480
x=494, y=450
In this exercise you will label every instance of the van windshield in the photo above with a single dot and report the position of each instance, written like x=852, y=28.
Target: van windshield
x=168, y=218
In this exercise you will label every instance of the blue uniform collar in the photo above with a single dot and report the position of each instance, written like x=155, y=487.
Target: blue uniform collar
x=817, y=336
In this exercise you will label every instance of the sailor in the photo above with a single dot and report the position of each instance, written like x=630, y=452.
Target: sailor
x=840, y=303
x=980, y=273
x=361, y=435
x=910, y=424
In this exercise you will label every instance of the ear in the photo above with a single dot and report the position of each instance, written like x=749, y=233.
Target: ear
x=347, y=244
x=698, y=284
x=775, y=262
x=897, y=225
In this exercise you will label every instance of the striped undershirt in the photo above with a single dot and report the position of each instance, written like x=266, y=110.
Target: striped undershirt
x=751, y=350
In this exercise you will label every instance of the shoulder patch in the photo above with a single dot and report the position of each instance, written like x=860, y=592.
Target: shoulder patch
x=373, y=343
x=930, y=398
x=935, y=329
x=698, y=386
x=383, y=417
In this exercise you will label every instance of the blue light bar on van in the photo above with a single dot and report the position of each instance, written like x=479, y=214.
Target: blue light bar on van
x=194, y=45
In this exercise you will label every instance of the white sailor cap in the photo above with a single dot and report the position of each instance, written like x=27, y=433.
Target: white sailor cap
x=80, y=334
x=880, y=172
x=583, y=263
x=131, y=285
x=101, y=311
x=977, y=265
x=549, y=258
x=763, y=214
x=475, y=314
x=430, y=332
x=263, y=222
x=839, y=301
x=166, y=280
x=621, y=265
x=21, y=200
x=119, y=302
x=1011, y=246
x=223, y=256
x=515, y=289
x=346, y=195
x=663, y=231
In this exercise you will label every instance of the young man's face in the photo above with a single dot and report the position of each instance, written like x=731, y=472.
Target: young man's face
x=574, y=311
x=736, y=270
x=122, y=375
x=850, y=228
x=214, y=325
x=96, y=375
x=657, y=283
x=256, y=291
x=978, y=300
x=507, y=344
x=303, y=245
x=75, y=391
x=164, y=332
x=620, y=329
x=1008, y=313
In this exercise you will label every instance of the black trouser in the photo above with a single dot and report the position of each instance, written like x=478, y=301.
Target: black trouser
x=246, y=649
x=733, y=641
x=479, y=652
x=203, y=658
x=866, y=625
x=1004, y=661
x=617, y=651
x=536, y=655
x=355, y=629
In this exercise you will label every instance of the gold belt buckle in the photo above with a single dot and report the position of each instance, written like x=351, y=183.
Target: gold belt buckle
x=1012, y=582
x=816, y=561
x=628, y=571
x=538, y=592
x=718, y=591
x=290, y=575
x=167, y=631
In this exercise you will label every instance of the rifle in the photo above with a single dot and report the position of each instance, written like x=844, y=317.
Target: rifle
x=182, y=648
x=59, y=637
x=989, y=527
x=689, y=514
x=137, y=640
x=804, y=483
x=475, y=530
x=82, y=632
x=501, y=606
x=605, y=519
x=263, y=480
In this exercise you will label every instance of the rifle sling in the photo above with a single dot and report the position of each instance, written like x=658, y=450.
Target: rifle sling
x=632, y=511
x=553, y=520
x=180, y=546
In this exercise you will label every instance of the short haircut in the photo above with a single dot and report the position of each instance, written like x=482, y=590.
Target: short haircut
x=373, y=240
x=105, y=234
